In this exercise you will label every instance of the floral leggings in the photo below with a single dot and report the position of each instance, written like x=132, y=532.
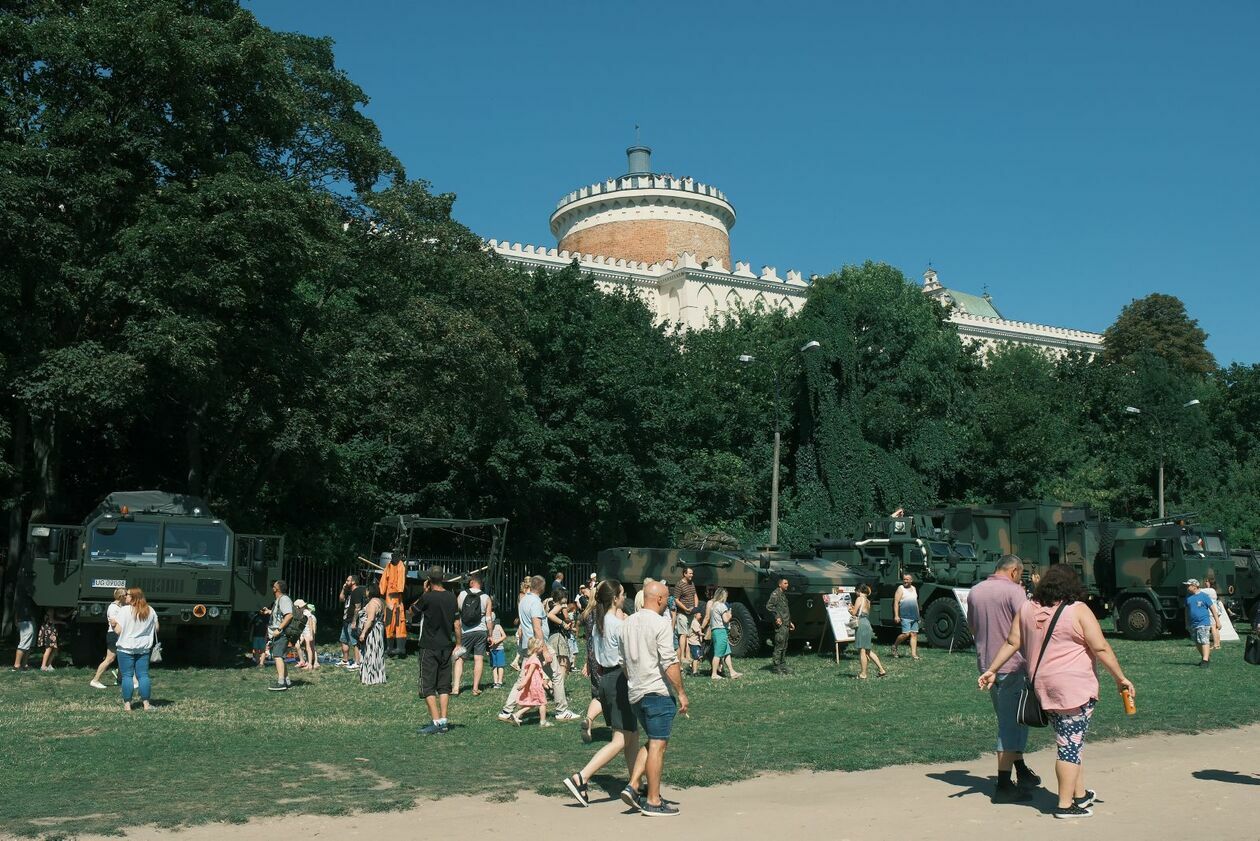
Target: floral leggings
x=1070, y=727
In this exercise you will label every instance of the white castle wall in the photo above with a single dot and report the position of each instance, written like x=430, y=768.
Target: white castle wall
x=687, y=292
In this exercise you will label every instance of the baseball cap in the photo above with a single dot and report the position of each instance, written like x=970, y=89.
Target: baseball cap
x=299, y=603
x=1192, y=582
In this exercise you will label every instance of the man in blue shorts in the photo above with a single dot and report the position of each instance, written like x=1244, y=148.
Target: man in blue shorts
x=1201, y=611
x=647, y=650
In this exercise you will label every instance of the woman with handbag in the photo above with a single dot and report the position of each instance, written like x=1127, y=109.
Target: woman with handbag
x=137, y=627
x=863, y=633
x=1061, y=642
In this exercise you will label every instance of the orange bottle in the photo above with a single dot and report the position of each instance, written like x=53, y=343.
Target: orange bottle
x=1129, y=707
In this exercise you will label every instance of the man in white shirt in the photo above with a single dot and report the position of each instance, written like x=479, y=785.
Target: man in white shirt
x=647, y=649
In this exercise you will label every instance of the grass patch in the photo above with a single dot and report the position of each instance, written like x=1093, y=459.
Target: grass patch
x=220, y=747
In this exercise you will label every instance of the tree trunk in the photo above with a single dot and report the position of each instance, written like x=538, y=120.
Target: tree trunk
x=46, y=449
x=17, y=531
x=192, y=437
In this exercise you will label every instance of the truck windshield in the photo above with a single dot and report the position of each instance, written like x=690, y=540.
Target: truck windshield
x=964, y=550
x=195, y=545
x=129, y=543
x=939, y=550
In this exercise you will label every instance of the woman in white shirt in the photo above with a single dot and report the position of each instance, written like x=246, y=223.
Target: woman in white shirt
x=111, y=636
x=137, y=629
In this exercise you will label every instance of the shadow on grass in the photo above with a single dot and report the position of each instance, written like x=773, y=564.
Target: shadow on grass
x=1227, y=777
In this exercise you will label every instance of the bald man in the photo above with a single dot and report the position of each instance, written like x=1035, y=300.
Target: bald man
x=647, y=649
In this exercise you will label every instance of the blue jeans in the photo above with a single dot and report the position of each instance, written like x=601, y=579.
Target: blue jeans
x=656, y=715
x=133, y=663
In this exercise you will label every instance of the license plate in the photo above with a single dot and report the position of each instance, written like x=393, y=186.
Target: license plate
x=109, y=583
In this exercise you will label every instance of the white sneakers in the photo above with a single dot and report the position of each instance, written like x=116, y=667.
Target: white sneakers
x=96, y=684
x=567, y=715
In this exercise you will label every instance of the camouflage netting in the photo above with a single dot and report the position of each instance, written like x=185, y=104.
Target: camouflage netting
x=712, y=540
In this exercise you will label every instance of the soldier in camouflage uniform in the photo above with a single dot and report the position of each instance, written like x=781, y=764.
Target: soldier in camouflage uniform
x=778, y=605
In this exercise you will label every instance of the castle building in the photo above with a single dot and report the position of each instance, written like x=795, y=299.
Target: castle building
x=668, y=240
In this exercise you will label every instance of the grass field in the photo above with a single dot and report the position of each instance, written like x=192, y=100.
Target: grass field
x=221, y=747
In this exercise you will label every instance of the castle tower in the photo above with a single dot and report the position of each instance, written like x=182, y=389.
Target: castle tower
x=646, y=217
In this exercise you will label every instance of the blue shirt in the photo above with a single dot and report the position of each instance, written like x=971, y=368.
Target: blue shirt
x=1199, y=606
x=530, y=607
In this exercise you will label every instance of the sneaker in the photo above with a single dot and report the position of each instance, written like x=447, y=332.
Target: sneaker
x=567, y=715
x=287, y=681
x=578, y=789
x=586, y=731
x=1010, y=793
x=1073, y=811
x=51, y=669
x=497, y=686
x=96, y=684
x=1086, y=801
x=446, y=727
x=506, y=716
x=278, y=687
x=1027, y=779
x=430, y=730
x=353, y=667
x=1203, y=664
x=630, y=797
x=664, y=810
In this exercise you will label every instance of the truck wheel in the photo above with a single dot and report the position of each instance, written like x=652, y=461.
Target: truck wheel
x=1139, y=620
x=742, y=632
x=87, y=647
x=944, y=623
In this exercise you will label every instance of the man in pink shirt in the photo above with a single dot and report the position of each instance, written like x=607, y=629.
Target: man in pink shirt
x=992, y=606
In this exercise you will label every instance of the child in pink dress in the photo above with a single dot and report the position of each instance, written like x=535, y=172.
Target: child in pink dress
x=533, y=687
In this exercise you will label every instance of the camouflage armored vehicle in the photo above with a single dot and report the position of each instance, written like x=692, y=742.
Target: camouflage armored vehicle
x=1132, y=571
x=886, y=548
x=1246, y=586
x=195, y=571
x=749, y=578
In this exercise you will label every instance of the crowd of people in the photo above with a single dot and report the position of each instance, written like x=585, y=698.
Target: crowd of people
x=1042, y=642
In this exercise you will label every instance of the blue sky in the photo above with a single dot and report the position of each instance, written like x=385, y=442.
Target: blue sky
x=1067, y=156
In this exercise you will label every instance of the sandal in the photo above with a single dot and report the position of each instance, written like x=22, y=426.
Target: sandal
x=476, y=692
x=862, y=677
x=514, y=721
x=882, y=674
x=545, y=724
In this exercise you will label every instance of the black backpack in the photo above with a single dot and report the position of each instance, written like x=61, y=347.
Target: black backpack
x=297, y=624
x=470, y=612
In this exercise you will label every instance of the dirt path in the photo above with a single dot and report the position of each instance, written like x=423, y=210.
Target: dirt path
x=1154, y=787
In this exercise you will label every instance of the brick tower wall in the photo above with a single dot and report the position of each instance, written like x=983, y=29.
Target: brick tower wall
x=651, y=241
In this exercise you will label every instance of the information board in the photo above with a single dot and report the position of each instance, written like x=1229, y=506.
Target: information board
x=837, y=605
x=962, y=593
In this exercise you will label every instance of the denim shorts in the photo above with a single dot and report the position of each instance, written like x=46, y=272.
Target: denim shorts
x=498, y=658
x=909, y=626
x=1012, y=736
x=656, y=715
x=347, y=634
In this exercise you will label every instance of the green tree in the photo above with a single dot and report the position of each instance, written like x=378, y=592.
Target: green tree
x=886, y=420
x=1158, y=324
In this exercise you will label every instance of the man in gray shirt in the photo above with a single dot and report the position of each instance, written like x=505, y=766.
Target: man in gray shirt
x=281, y=615
x=992, y=607
x=647, y=649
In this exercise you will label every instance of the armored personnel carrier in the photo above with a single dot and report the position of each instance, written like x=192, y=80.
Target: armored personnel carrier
x=195, y=571
x=749, y=577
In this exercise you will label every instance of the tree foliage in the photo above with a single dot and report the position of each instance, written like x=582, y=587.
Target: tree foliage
x=1158, y=324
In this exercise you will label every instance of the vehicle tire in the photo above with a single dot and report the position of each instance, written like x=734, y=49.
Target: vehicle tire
x=201, y=646
x=944, y=624
x=743, y=634
x=1139, y=620
x=87, y=645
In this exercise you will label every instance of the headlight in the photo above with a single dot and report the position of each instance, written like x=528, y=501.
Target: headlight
x=97, y=610
x=214, y=613
x=199, y=610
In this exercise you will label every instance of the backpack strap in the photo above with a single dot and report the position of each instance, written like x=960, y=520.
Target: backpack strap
x=1046, y=641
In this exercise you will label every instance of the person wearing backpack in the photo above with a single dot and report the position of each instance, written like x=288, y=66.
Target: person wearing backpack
x=475, y=609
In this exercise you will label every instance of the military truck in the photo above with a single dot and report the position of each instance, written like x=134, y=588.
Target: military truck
x=749, y=576
x=195, y=571
x=1132, y=571
x=1245, y=592
x=885, y=548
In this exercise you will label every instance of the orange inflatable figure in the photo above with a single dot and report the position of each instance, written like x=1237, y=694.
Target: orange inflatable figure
x=393, y=580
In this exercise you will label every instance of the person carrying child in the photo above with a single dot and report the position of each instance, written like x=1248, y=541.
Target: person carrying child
x=533, y=685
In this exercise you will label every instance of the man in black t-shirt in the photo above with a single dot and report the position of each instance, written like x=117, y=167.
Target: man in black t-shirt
x=353, y=597
x=439, y=636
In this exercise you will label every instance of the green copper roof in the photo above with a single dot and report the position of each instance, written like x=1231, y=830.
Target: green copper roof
x=974, y=304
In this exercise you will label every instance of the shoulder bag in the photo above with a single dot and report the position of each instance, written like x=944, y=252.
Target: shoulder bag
x=1029, y=713
x=1251, y=654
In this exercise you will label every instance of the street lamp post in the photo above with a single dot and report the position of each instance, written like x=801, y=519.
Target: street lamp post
x=747, y=358
x=1134, y=410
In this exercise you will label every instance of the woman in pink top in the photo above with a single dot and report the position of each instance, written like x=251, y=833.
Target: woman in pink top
x=1065, y=681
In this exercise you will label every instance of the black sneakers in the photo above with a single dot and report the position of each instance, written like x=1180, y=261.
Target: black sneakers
x=1086, y=801
x=1010, y=793
x=631, y=798
x=664, y=810
x=1073, y=811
